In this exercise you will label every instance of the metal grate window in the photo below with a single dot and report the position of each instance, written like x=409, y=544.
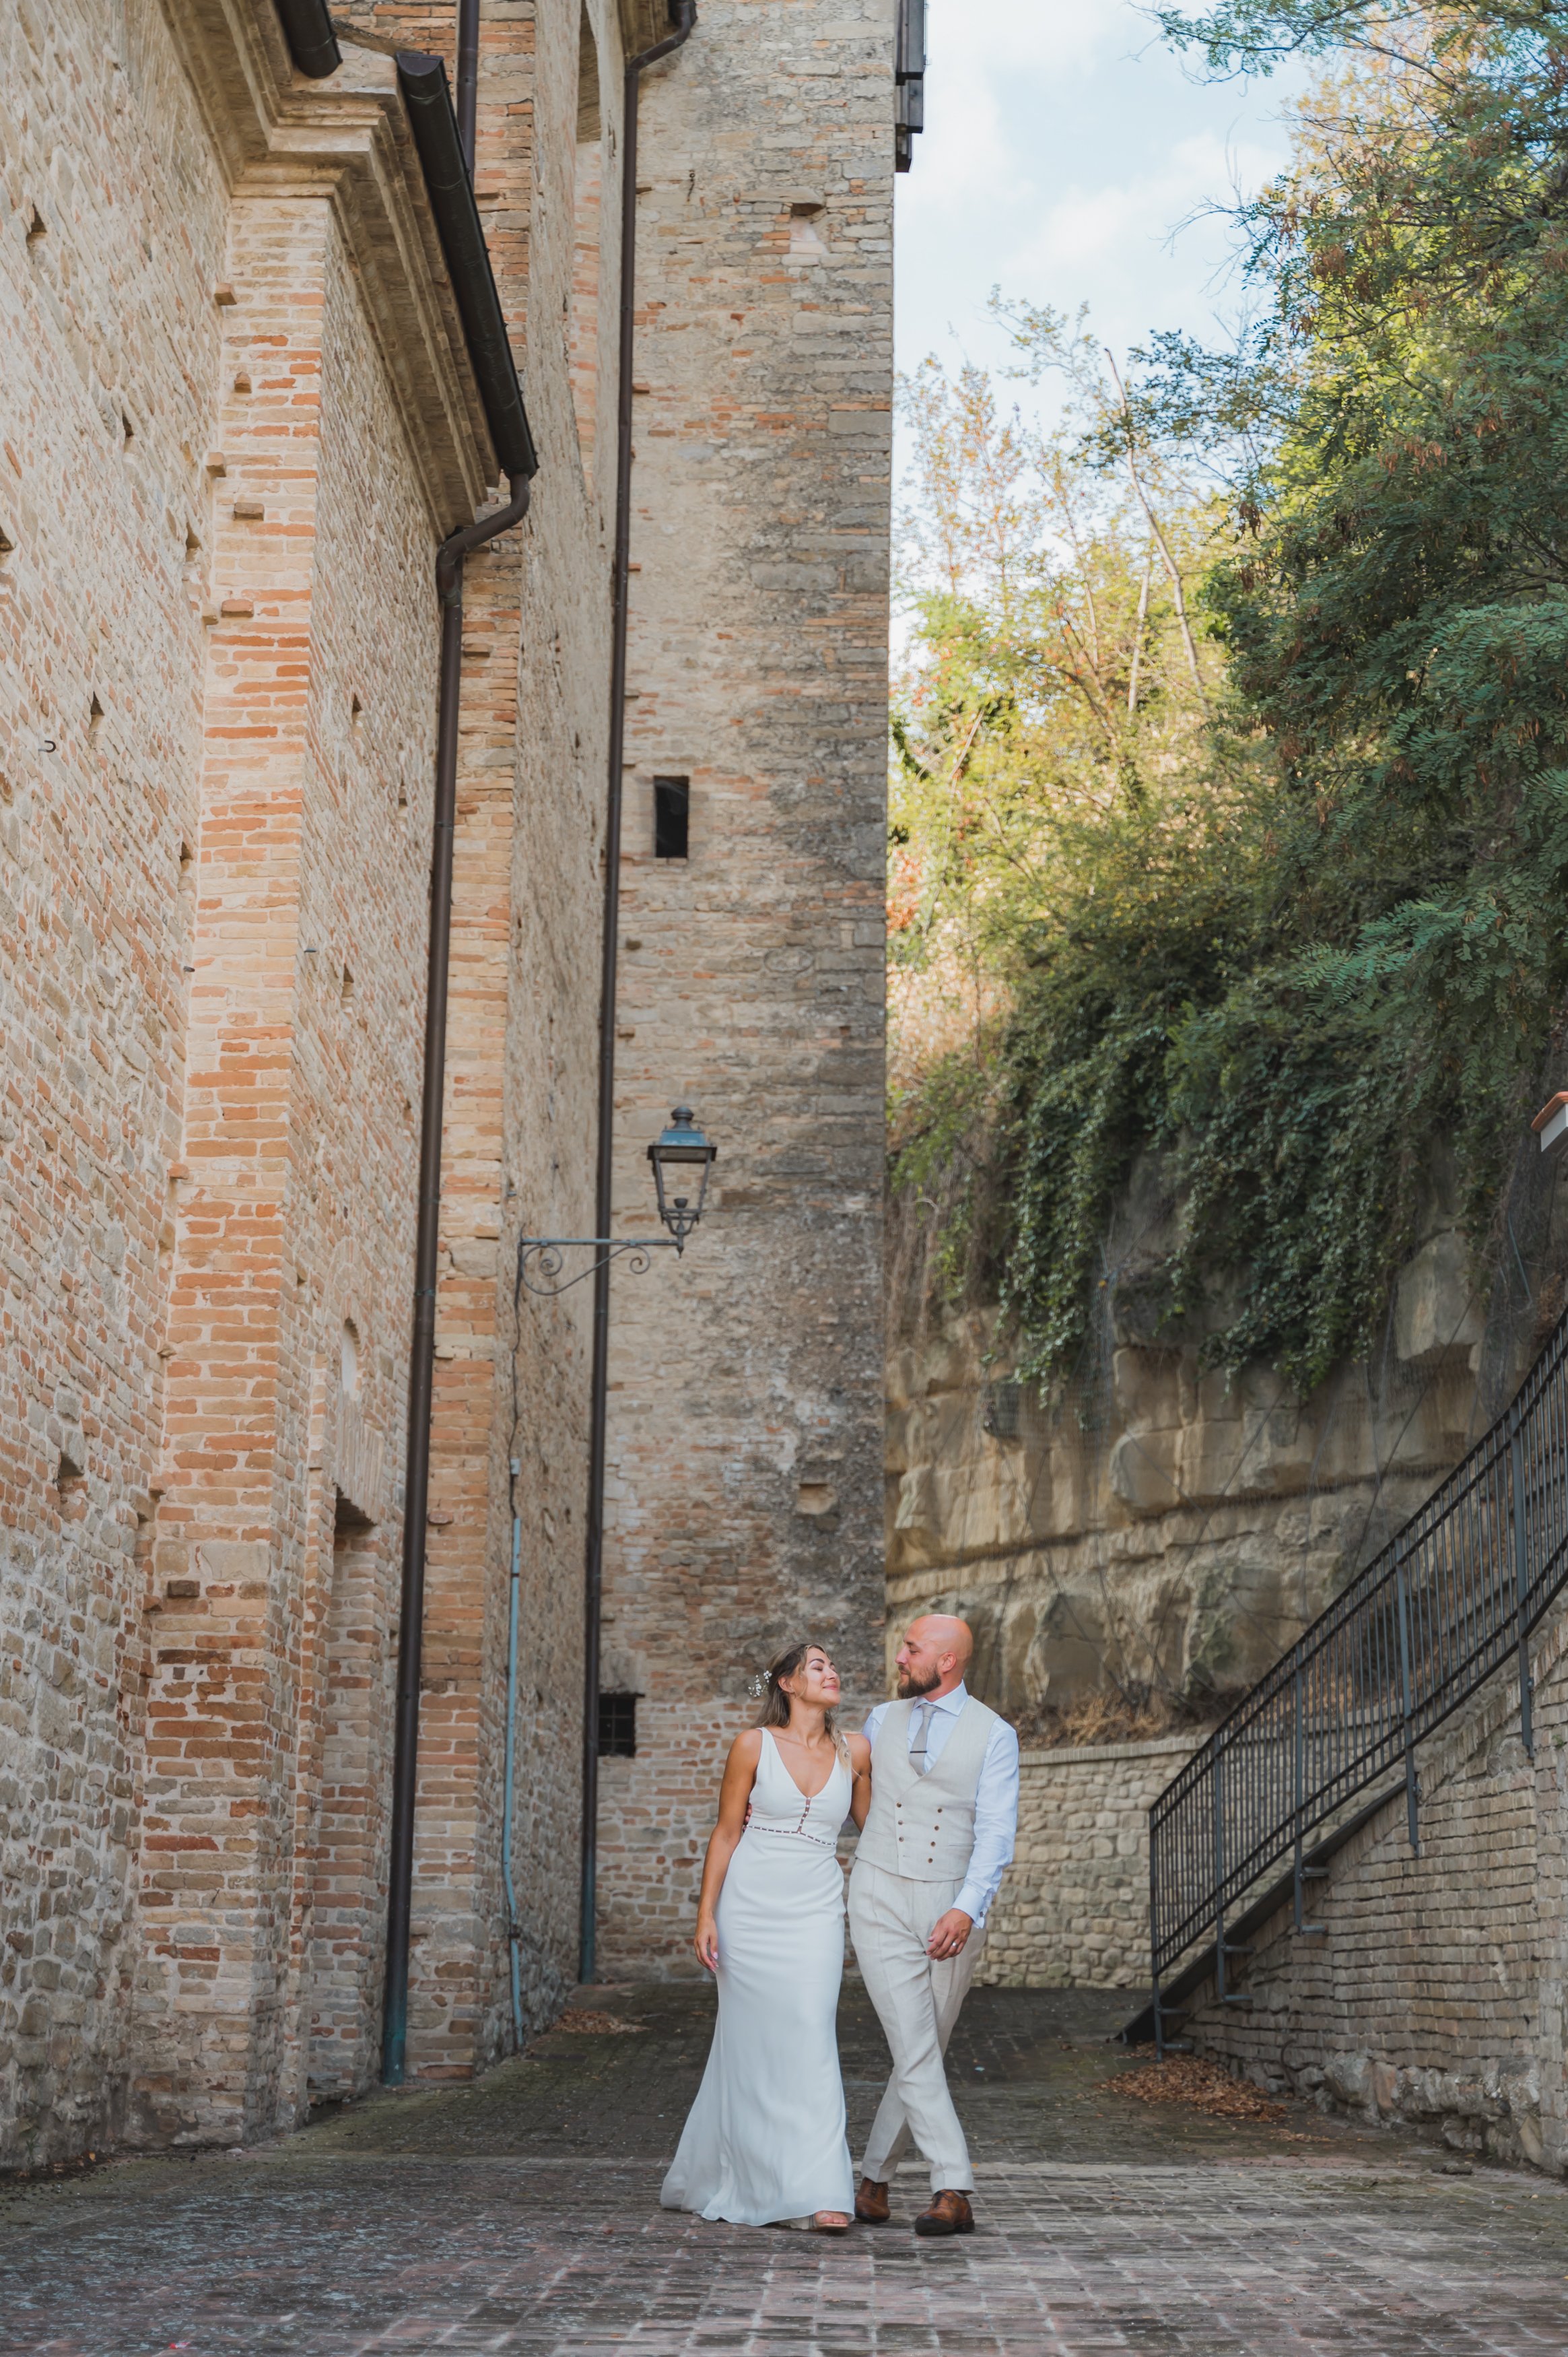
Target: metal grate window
x=617, y=1727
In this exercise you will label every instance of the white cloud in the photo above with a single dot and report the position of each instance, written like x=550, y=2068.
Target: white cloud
x=1064, y=148
x=1154, y=249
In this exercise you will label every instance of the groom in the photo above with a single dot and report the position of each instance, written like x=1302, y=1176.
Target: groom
x=944, y=1810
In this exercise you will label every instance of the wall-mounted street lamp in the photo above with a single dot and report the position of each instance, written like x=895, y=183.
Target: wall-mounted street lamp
x=1552, y=1122
x=678, y=1154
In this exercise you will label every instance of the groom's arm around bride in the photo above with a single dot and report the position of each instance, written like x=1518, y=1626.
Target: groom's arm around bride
x=936, y=1841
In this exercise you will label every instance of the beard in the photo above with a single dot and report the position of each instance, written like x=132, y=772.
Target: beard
x=909, y=1686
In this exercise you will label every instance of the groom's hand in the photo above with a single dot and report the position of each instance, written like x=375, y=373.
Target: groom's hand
x=948, y=1933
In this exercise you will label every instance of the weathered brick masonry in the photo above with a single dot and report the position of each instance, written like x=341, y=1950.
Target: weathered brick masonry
x=238, y=419
x=1073, y=1908
x=1434, y=1992
x=235, y=420
x=745, y=1424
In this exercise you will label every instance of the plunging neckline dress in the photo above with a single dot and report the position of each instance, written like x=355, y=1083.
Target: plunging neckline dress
x=765, y=2139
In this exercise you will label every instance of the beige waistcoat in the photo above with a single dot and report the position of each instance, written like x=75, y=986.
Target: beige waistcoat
x=922, y=1827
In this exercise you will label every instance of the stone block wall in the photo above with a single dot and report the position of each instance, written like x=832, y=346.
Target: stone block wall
x=512, y=1371
x=743, y=1504
x=1434, y=1992
x=1073, y=1908
x=291, y=1260
x=239, y=422
x=1161, y=1527
x=107, y=403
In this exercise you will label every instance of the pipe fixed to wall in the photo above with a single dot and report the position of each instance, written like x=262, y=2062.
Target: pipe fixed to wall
x=312, y=42
x=683, y=18
x=444, y=163
x=509, y=1801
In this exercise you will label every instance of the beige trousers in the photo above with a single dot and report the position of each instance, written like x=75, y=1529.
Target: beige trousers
x=917, y=2000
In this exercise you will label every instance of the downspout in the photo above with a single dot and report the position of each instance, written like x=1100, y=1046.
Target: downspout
x=468, y=77
x=513, y=1922
x=683, y=16
x=435, y=125
x=312, y=42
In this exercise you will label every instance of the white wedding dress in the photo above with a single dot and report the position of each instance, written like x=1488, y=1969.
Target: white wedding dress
x=765, y=2139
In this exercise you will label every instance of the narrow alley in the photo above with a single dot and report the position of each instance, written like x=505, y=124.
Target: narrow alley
x=521, y=2215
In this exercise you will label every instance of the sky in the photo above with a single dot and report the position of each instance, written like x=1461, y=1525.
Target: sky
x=1064, y=144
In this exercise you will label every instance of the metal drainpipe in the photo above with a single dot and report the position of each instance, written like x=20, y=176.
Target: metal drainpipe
x=422, y=1357
x=683, y=16
x=513, y=1924
x=468, y=77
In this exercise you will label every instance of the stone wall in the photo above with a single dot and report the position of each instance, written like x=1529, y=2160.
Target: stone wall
x=1155, y=1533
x=109, y=396
x=746, y=1410
x=237, y=422
x=1073, y=1908
x=1434, y=1993
x=512, y=1372
x=1156, y=1529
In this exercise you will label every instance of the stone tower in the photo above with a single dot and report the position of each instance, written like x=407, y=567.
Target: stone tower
x=743, y=1504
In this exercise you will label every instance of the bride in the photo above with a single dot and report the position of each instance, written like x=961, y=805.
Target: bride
x=765, y=2141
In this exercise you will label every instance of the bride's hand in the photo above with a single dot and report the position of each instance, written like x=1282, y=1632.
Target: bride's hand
x=706, y=1942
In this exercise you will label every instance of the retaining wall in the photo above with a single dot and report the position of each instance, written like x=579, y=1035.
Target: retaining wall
x=1073, y=1908
x=1433, y=1993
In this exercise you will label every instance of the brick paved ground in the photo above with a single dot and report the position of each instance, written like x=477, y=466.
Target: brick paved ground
x=520, y=2216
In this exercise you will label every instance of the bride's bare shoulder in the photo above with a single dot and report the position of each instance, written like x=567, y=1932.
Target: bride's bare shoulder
x=859, y=1753
x=747, y=1749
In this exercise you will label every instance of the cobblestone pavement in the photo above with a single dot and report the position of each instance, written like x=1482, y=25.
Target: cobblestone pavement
x=520, y=2215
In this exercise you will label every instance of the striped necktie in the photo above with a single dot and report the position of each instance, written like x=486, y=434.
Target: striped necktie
x=919, y=1726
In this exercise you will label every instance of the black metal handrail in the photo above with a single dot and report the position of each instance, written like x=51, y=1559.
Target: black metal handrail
x=1446, y=1604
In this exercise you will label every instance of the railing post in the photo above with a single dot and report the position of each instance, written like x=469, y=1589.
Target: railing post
x=1521, y=1588
x=1411, y=1795
x=1218, y=1809
x=1298, y=1783
x=1154, y=1940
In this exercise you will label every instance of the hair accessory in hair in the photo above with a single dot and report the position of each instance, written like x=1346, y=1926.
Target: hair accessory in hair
x=758, y=1684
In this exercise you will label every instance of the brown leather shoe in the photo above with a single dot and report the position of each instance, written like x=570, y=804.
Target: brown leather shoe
x=949, y=2214
x=871, y=2203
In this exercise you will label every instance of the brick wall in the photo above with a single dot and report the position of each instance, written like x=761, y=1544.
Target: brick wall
x=237, y=420
x=745, y=1404
x=303, y=1068
x=1073, y=1908
x=1433, y=1993
x=98, y=599
x=220, y=641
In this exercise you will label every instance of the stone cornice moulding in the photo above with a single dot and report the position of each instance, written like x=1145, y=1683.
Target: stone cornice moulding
x=346, y=139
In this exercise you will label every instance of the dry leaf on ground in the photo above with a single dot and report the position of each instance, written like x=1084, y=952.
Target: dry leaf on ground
x=583, y=2022
x=1202, y=2085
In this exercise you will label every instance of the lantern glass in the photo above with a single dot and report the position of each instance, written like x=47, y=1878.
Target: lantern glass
x=681, y=1158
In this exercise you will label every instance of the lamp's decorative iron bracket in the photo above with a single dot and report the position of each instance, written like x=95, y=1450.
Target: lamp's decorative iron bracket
x=676, y=1150
x=542, y=1255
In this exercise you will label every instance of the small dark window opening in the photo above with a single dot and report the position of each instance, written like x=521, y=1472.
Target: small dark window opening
x=617, y=1727
x=671, y=808
x=1003, y=1416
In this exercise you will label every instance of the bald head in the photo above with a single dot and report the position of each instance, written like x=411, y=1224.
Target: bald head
x=934, y=1655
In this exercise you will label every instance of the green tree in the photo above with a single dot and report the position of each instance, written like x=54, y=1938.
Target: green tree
x=1334, y=936
x=1047, y=719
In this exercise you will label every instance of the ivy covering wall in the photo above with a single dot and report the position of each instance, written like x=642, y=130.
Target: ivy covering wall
x=1231, y=795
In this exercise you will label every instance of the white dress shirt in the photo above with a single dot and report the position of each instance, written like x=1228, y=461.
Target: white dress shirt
x=995, y=1796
